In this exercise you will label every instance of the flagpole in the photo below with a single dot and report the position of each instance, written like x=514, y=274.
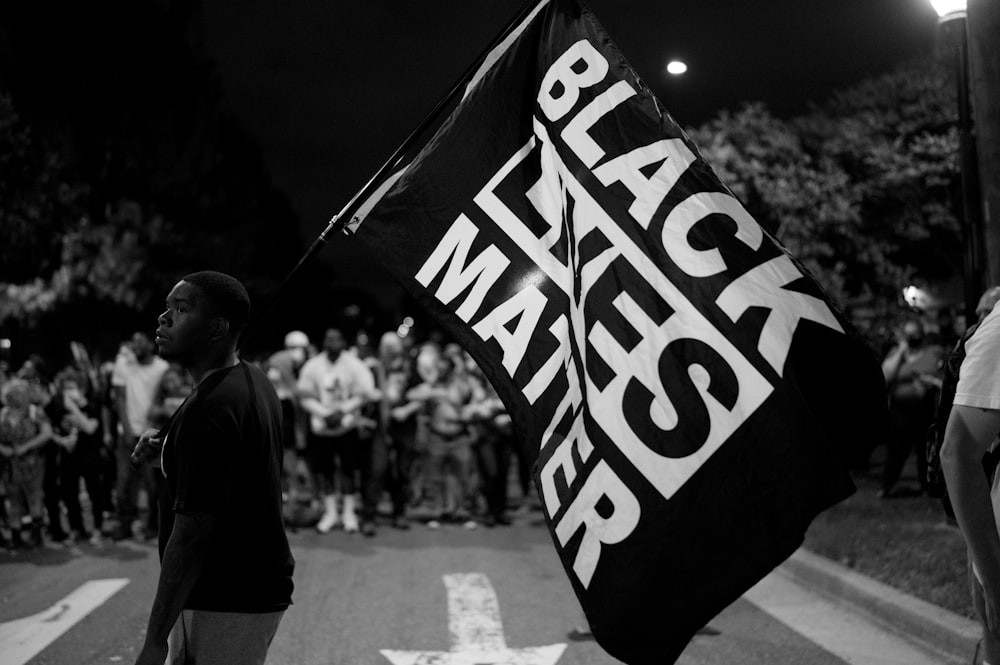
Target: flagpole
x=339, y=221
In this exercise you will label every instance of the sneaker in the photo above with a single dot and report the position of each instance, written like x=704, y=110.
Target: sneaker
x=434, y=525
x=400, y=523
x=469, y=525
x=368, y=528
x=351, y=524
x=330, y=518
x=350, y=517
x=327, y=523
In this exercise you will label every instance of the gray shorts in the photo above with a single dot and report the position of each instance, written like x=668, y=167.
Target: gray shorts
x=221, y=638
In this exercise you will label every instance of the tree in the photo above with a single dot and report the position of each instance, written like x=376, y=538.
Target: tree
x=805, y=199
x=861, y=189
x=126, y=170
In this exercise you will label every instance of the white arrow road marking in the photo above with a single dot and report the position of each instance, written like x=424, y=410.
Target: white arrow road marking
x=22, y=639
x=476, y=631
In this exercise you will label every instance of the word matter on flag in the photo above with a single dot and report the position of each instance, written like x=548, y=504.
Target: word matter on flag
x=688, y=388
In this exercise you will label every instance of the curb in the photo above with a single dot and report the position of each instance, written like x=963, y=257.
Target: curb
x=934, y=627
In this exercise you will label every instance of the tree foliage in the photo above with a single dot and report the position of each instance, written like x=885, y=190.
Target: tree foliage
x=122, y=169
x=861, y=188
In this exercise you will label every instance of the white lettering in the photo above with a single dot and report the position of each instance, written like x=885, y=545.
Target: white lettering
x=648, y=192
x=555, y=104
x=526, y=306
x=680, y=221
x=575, y=134
x=666, y=474
x=482, y=272
x=763, y=286
x=547, y=373
x=602, y=482
x=537, y=249
x=562, y=458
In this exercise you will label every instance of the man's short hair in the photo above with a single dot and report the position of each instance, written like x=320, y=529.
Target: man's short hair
x=225, y=294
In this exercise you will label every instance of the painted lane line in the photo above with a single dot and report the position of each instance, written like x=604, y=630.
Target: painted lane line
x=847, y=635
x=22, y=639
x=476, y=631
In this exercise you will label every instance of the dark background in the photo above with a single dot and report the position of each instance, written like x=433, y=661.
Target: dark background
x=330, y=93
x=248, y=124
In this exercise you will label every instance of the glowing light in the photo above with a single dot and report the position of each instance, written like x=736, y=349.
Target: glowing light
x=949, y=8
x=676, y=67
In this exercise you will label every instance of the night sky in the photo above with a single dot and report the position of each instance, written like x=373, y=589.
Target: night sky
x=331, y=88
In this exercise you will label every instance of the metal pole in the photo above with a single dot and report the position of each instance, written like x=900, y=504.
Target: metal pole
x=972, y=222
x=340, y=220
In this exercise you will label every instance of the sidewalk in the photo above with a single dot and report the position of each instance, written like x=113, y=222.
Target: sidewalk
x=934, y=628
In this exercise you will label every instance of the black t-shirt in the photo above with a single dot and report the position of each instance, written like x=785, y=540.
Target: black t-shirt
x=86, y=444
x=221, y=456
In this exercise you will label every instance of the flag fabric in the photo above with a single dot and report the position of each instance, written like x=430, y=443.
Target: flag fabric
x=686, y=385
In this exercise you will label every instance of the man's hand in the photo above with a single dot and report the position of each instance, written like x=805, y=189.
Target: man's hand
x=153, y=653
x=992, y=616
x=147, y=449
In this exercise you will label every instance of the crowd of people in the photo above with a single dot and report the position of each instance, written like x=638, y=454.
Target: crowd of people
x=418, y=428
x=914, y=368
x=377, y=431
x=385, y=433
x=67, y=436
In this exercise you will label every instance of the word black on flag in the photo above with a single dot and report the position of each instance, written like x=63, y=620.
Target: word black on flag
x=688, y=388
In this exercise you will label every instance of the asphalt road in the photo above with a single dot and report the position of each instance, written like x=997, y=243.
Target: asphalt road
x=418, y=596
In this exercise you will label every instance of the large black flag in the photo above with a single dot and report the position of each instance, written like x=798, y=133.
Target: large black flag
x=686, y=385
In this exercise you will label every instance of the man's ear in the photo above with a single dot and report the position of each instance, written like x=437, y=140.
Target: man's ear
x=220, y=327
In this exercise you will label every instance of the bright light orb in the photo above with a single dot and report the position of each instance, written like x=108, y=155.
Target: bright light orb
x=949, y=8
x=676, y=67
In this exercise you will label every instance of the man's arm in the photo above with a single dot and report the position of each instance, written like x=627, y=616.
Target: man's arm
x=118, y=397
x=968, y=436
x=82, y=420
x=893, y=361
x=308, y=392
x=183, y=560
x=44, y=436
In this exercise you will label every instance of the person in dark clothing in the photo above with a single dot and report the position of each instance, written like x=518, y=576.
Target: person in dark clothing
x=392, y=450
x=912, y=373
x=226, y=567
x=493, y=450
x=77, y=431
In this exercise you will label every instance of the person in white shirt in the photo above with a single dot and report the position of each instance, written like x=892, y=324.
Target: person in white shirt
x=971, y=436
x=333, y=386
x=283, y=369
x=135, y=381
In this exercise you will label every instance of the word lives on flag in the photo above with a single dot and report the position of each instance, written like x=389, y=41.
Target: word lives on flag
x=688, y=388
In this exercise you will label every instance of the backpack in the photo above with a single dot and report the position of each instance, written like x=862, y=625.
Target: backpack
x=936, y=486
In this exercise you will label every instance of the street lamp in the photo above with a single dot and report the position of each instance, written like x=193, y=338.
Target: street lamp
x=949, y=8
x=676, y=67
x=952, y=19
